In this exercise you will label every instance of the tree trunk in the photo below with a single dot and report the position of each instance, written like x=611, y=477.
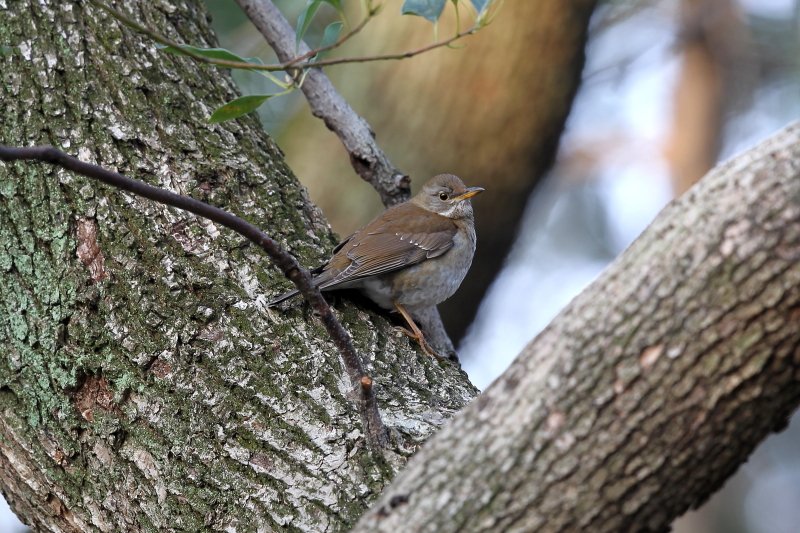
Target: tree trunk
x=646, y=393
x=143, y=383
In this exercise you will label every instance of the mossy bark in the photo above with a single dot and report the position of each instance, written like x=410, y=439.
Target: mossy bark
x=144, y=385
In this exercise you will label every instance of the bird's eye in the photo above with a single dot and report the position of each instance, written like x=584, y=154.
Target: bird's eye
x=443, y=196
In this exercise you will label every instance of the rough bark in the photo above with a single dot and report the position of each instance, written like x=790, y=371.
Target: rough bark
x=491, y=111
x=649, y=389
x=143, y=383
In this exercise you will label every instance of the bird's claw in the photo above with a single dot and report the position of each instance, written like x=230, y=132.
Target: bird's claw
x=427, y=348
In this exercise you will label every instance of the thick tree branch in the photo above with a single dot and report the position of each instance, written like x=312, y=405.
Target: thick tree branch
x=649, y=389
x=371, y=418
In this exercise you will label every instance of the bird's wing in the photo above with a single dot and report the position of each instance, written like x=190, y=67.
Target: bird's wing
x=316, y=271
x=398, y=239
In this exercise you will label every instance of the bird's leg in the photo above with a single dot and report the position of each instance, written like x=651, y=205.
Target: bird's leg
x=415, y=332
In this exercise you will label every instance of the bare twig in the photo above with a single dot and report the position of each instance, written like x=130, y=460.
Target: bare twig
x=374, y=429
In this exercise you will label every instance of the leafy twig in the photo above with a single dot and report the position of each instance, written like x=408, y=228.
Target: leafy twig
x=392, y=57
x=374, y=429
x=294, y=63
x=339, y=42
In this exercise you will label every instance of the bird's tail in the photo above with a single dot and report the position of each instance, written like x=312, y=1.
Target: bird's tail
x=320, y=278
x=283, y=297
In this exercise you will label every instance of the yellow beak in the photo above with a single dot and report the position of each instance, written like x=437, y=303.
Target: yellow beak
x=469, y=193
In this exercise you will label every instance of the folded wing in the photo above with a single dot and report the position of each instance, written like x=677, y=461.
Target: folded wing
x=382, y=246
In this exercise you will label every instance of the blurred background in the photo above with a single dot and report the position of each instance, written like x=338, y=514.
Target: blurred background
x=577, y=158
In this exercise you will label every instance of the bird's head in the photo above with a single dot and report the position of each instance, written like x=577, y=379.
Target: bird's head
x=447, y=195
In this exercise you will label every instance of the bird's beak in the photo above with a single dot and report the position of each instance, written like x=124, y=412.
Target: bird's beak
x=469, y=192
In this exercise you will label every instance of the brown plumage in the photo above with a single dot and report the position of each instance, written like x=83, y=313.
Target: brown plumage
x=412, y=256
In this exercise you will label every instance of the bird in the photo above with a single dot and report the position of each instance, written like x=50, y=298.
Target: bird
x=412, y=256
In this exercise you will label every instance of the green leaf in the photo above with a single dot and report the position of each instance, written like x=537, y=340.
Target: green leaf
x=238, y=107
x=212, y=53
x=6, y=50
x=429, y=9
x=221, y=53
x=480, y=5
x=331, y=34
x=304, y=20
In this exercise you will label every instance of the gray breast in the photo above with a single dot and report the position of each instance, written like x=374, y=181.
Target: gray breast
x=435, y=280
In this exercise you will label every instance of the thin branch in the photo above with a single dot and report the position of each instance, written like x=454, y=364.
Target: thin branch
x=293, y=63
x=374, y=429
x=162, y=40
x=390, y=57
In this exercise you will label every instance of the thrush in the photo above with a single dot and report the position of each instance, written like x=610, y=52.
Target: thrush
x=412, y=256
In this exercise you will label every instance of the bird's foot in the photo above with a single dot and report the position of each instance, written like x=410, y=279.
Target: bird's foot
x=427, y=348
